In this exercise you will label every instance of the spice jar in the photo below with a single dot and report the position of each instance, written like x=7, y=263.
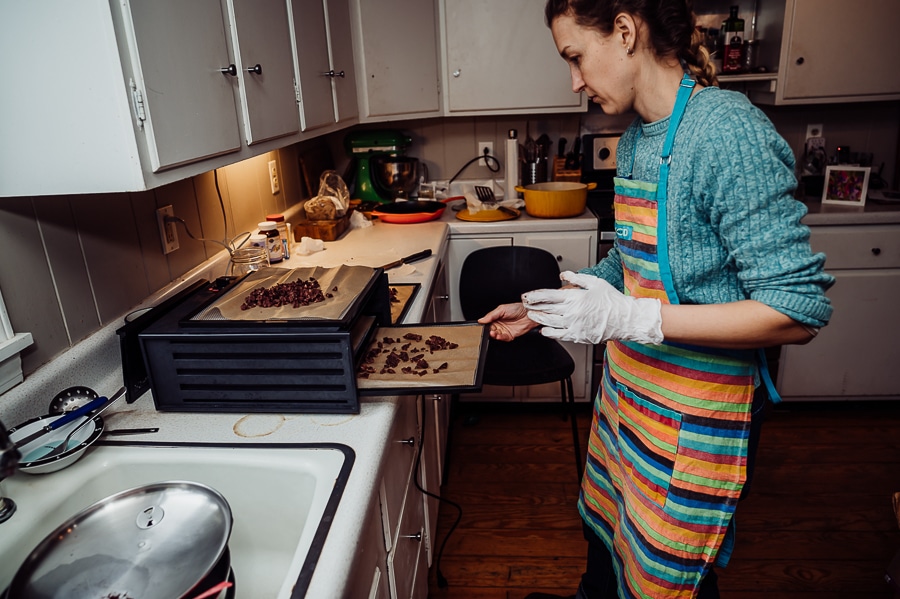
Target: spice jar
x=247, y=260
x=284, y=229
x=273, y=241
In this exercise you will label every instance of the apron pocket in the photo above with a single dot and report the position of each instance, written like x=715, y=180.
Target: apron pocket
x=648, y=444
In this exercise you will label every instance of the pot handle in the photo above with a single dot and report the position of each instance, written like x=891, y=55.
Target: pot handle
x=453, y=199
x=591, y=185
x=520, y=189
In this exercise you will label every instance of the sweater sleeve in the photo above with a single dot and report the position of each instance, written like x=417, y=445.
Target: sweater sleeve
x=750, y=204
x=609, y=269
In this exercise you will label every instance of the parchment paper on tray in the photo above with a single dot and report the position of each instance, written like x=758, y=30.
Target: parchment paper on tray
x=349, y=280
x=461, y=361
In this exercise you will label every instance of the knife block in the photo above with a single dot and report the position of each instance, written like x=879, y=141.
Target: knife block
x=560, y=173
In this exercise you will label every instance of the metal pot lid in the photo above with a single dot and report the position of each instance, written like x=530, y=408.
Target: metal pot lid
x=157, y=541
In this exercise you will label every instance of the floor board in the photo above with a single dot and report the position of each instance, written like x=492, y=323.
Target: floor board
x=817, y=523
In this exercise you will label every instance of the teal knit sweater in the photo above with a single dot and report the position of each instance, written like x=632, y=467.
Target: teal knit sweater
x=733, y=226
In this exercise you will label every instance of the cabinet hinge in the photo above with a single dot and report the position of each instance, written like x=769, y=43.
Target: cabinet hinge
x=137, y=104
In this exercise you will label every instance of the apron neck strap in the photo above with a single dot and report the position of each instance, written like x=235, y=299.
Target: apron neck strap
x=685, y=89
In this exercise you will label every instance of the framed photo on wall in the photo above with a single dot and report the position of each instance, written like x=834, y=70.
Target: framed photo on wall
x=846, y=185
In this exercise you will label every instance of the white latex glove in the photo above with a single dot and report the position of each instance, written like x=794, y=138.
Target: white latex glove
x=593, y=312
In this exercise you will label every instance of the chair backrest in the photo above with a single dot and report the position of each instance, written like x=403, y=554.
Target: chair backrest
x=500, y=275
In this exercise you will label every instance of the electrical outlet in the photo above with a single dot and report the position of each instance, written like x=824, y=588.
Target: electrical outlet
x=273, y=177
x=485, y=147
x=168, y=234
x=814, y=131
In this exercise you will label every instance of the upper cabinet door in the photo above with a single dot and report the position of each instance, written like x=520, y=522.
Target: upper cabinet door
x=188, y=104
x=821, y=63
x=501, y=59
x=312, y=63
x=323, y=62
x=262, y=43
x=340, y=43
x=396, y=50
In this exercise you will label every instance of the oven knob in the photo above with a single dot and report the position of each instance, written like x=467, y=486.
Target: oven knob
x=604, y=153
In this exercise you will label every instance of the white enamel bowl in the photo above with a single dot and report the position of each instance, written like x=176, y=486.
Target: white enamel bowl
x=33, y=462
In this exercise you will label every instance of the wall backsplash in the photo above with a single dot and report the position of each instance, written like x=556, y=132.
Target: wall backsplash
x=73, y=264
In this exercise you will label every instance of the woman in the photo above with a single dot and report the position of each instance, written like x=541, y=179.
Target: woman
x=710, y=265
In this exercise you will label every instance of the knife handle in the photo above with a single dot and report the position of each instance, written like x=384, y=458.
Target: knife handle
x=417, y=256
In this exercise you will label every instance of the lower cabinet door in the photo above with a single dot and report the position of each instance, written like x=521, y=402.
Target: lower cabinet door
x=408, y=554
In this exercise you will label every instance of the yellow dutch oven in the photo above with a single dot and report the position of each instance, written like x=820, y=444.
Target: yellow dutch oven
x=555, y=199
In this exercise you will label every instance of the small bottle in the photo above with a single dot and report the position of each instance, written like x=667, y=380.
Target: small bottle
x=258, y=240
x=273, y=241
x=512, y=165
x=733, y=37
x=284, y=229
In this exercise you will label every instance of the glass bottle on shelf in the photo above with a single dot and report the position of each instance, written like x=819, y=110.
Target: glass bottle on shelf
x=732, y=36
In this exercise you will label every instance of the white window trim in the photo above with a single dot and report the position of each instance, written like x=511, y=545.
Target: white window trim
x=11, y=344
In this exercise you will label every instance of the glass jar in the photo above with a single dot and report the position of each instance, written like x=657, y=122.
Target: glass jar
x=273, y=241
x=248, y=260
x=284, y=229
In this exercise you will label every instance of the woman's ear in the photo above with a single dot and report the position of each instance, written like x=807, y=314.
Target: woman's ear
x=625, y=31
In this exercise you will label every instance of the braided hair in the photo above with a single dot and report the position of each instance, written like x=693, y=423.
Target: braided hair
x=670, y=23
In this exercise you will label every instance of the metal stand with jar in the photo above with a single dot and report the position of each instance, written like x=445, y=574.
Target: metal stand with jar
x=247, y=260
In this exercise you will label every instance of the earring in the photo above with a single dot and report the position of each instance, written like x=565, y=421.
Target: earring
x=629, y=51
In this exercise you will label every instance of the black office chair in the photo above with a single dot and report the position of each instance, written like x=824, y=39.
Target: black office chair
x=500, y=275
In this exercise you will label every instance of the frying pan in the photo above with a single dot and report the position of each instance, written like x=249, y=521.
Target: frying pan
x=413, y=211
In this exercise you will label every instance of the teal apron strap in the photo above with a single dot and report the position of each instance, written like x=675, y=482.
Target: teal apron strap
x=774, y=396
x=685, y=90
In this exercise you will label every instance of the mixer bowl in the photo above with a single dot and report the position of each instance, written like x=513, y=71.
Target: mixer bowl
x=394, y=176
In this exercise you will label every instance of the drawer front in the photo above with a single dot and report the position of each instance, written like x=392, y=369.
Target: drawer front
x=869, y=246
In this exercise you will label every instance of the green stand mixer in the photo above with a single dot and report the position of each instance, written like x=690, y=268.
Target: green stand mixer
x=361, y=147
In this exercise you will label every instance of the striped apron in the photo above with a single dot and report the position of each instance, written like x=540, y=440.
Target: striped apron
x=668, y=443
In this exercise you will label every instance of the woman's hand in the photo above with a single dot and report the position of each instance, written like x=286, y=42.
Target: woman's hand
x=508, y=321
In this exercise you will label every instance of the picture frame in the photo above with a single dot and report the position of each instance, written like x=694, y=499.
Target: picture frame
x=846, y=185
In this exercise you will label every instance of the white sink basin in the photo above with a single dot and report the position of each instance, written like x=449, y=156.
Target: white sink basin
x=282, y=498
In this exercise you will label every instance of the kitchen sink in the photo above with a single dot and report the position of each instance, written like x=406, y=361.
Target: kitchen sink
x=282, y=497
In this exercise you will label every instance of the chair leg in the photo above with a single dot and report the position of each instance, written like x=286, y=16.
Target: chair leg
x=574, y=420
x=562, y=394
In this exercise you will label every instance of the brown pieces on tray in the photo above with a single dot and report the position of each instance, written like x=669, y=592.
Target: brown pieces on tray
x=407, y=358
x=294, y=294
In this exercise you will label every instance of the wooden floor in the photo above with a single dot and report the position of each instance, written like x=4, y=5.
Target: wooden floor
x=818, y=522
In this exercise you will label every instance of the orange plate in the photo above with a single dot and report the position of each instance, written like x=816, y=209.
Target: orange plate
x=486, y=216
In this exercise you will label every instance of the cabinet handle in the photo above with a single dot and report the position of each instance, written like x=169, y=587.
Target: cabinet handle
x=457, y=72
x=800, y=60
x=876, y=251
x=559, y=258
x=255, y=69
x=229, y=70
x=415, y=537
x=333, y=74
x=411, y=441
x=442, y=297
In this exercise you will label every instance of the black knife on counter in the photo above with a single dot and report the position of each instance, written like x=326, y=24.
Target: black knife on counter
x=411, y=258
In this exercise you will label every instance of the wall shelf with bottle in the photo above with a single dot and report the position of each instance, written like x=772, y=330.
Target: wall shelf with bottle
x=799, y=49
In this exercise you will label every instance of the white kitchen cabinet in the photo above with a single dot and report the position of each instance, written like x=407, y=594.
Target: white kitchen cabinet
x=262, y=49
x=396, y=51
x=499, y=58
x=325, y=75
x=806, y=43
x=855, y=356
x=574, y=250
x=131, y=95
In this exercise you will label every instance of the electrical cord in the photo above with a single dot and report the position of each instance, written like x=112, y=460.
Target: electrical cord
x=441, y=581
x=228, y=244
x=487, y=162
